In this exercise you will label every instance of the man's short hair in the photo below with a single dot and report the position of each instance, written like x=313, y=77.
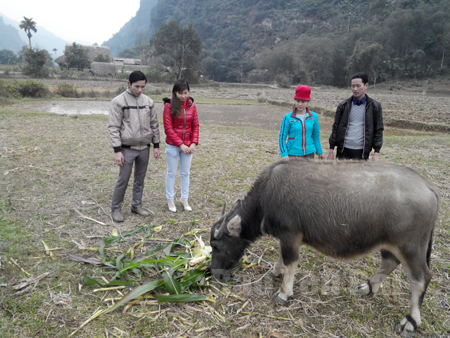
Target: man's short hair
x=137, y=75
x=362, y=76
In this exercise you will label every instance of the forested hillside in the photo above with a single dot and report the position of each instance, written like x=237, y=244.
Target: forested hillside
x=314, y=41
x=9, y=37
x=136, y=32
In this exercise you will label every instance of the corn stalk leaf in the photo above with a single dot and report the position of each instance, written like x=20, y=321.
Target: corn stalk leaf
x=171, y=284
x=136, y=292
x=181, y=298
x=48, y=251
x=119, y=264
x=144, y=262
x=158, y=249
x=191, y=277
x=91, y=281
x=113, y=239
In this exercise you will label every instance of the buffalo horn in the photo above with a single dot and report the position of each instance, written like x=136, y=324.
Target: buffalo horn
x=223, y=209
x=219, y=232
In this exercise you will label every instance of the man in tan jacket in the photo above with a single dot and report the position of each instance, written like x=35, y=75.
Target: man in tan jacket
x=133, y=125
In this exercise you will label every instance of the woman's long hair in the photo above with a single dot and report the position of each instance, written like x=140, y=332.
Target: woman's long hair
x=175, y=104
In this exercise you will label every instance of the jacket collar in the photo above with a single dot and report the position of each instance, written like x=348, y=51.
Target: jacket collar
x=189, y=103
x=294, y=112
x=129, y=92
x=359, y=102
x=368, y=100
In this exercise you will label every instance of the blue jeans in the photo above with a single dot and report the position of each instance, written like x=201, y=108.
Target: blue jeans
x=173, y=156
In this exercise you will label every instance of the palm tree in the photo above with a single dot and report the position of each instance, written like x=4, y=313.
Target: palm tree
x=28, y=25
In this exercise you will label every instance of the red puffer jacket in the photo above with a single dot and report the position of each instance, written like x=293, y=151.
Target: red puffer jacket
x=186, y=124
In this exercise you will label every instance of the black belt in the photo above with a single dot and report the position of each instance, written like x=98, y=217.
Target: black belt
x=128, y=147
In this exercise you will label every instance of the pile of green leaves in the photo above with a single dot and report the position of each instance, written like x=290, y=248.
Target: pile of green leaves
x=178, y=268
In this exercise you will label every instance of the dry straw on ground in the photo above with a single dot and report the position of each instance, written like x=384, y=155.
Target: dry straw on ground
x=57, y=179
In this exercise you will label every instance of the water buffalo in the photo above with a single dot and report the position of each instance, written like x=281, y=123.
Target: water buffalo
x=344, y=210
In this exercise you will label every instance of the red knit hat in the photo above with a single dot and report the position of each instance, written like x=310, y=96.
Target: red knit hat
x=303, y=93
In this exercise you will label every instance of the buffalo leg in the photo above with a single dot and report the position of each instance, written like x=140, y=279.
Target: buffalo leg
x=419, y=274
x=289, y=256
x=388, y=263
x=279, y=268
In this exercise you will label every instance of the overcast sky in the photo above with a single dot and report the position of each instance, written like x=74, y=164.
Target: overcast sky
x=82, y=21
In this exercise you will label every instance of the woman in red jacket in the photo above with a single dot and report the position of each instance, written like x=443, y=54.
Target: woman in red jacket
x=182, y=128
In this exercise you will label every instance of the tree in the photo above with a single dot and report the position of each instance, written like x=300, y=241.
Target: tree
x=129, y=53
x=35, y=60
x=28, y=25
x=365, y=59
x=101, y=58
x=76, y=57
x=7, y=57
x=180, y=46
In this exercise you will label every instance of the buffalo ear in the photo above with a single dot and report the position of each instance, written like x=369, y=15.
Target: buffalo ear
x=237, y=202
x=234, y=226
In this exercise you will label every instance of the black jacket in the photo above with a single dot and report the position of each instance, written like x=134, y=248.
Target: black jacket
x=373, y=126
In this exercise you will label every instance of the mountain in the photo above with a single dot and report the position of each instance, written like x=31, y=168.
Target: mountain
x=134, y=32
x=9, y=37
x=308, y=41
x=42, y=39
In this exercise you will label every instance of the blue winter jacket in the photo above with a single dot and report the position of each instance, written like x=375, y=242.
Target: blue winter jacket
x=304, y=137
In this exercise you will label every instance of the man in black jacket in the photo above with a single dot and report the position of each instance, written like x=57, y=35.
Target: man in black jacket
x=358, y=124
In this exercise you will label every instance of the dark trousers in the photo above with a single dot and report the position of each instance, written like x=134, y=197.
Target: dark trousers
x=350, y=154
x=140, y=160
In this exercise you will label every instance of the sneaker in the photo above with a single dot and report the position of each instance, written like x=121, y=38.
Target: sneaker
x=186, y=205
x=139, y=211
x=117, y=215
x=172, y=206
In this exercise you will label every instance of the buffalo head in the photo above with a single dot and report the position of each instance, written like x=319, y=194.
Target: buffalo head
x=227, y=245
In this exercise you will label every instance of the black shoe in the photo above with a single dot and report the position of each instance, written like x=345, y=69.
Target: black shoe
x=117, y=215
x=139, y=211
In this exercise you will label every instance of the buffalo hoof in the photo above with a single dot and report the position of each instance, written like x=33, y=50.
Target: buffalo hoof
x=399, y=328
x=277, y=277
x=364, y=289
x=280, y=300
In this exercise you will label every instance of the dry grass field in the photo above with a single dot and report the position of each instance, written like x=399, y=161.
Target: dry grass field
x=57, y=176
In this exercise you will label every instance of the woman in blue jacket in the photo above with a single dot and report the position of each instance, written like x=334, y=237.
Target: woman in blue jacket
x=300, y=133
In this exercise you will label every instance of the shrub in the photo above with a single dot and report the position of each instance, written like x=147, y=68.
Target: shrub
x=120, y=90
x=284, y=80
x=8, y=91
x=35, y=63
x=66, y=74
x=67, y=90
x=154, y=75
x=101, y=58
x=33, y=89
x=90, y=93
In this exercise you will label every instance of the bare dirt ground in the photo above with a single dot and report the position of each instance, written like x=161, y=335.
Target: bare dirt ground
x=52, y=164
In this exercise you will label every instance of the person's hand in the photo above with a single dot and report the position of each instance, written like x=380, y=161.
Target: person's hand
x=376, y=156
x=192, y=147
x=321, y=157
x=185, y=149
x=330, y=156
x=119, y=159
x=156, y=153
